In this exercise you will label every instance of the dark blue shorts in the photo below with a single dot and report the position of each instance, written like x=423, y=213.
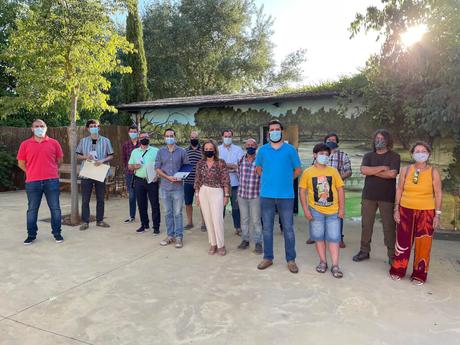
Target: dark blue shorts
x=189, y=192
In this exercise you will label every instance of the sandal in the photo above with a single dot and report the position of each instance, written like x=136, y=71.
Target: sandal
x=336, y=272
x=416, y=281
x=222, y=251
x=322, y=267
x=395, y=277
x=212, y=250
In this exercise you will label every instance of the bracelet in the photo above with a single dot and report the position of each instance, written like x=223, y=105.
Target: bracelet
x=227, y=196
x=438, y=212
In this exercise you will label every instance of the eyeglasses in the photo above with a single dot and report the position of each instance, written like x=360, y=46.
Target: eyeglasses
x=416, y=176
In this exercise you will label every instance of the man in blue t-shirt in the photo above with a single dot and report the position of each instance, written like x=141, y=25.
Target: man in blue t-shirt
x=278, y=164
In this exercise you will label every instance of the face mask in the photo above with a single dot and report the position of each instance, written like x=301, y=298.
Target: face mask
x=420, y=157
x=40, y=132
x=322, y=159
x=170, y=141
x=194, y=142
x=145, y=141
x=380, y=143
x=94, y=130
x=275, y=136
x=209, y=154
x=227, y=141
x=133, y=135
x=251, y=150
x=332, y=145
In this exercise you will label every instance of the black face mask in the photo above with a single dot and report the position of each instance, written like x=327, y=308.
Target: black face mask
x=209, y=154
x=194, y=142
x=144, y=141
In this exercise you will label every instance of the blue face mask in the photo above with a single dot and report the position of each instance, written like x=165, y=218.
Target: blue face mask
x=322, y=159
x=332, y=145
x=275, y=136
x=251, y=150
x=94, y=130
x=40, y=132
x=133, y=135
x=170, y=141
x=227, y=141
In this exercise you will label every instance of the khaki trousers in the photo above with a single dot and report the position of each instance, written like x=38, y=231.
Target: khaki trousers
x=212, y=206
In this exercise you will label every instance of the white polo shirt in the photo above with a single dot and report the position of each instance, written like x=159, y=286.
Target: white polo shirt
x=231, y=155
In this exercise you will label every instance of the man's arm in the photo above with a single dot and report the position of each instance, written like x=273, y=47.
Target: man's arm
x=297, y=172
x=371, y=171
x=22, y=165
x=259, y=171
x=388, y=174
x=59, y=161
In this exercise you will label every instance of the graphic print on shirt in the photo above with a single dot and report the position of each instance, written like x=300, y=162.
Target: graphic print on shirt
x=322, y=190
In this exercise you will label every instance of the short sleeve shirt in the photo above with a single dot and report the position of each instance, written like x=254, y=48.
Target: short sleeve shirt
x=170, y=163
x=145, y=158
x=322, y=185
x=231, y=155
x=377, y=188
x=41, y=158
x=101, y=145
x=277, y=180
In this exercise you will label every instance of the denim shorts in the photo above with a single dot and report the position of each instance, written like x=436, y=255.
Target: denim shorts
x=189, y=193
x=325, y=227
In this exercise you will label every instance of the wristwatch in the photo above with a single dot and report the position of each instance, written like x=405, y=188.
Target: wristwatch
x=438, y=212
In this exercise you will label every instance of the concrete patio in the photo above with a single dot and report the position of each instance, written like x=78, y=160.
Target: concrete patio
x=113, y=286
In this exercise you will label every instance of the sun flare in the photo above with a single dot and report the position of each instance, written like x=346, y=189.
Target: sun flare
x=413, y=35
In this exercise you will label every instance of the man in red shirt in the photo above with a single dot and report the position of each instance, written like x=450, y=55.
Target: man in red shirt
x=39, y=157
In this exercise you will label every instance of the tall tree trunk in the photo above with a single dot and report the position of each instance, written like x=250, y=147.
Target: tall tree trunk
x=74, y=214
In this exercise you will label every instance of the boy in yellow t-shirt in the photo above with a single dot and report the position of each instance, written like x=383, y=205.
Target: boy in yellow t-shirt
x=323, y=202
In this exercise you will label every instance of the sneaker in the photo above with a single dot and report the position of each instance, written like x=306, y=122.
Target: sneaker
x=102, y=224
x=167, y=240
x=179, y=242
x=203, y=228
x=188, y=227
x=59, y=238
x=29, y=240
x=238, y=232
x=258, y=249
x=156, y=232
x=361, y=256
x=84, y=226
x=141, y=229
x=310, y=241
x=243, y=245
x=129, y=220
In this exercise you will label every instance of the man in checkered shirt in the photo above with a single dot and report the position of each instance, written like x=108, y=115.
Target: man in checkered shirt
x=248, y=198
x=339, y=160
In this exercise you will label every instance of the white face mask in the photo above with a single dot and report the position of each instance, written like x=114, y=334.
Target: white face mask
x=420, y=157
x=40, y=131
x=322, y=159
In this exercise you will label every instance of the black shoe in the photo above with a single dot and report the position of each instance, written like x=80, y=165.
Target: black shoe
x=141, y=229
x=259, y=249
x=59, y=238
x=129, y=220
x=29, y=240
x=243, y=245
x=361, y=256
x=156, y=232
x=203, y=228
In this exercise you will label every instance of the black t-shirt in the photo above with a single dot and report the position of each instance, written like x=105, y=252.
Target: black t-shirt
x=377, y=188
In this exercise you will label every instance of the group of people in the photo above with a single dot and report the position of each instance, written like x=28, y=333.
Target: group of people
x=258, y=182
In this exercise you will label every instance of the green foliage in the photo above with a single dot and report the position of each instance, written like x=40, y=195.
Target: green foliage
x=135, y=84
x=63, y=49
x=212, y=46
x=414, y=91
x=7, y=163
x=452, y=181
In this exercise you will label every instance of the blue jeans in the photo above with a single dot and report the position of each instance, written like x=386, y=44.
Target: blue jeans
x=131, y=194
x=325, y=227
x=172, y=202
x=286, y=214
x=250, y=217
x=35, y=191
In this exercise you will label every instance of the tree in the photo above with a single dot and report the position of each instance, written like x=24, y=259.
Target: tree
x=415, y=90
x=135, y=84
x=197, y=47
x=60, y=52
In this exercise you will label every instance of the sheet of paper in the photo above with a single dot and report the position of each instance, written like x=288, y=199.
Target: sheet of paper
x=151, y=173
x=90, y=170
x=181, y=175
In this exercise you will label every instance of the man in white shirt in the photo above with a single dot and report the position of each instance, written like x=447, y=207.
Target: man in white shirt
x=232, y=154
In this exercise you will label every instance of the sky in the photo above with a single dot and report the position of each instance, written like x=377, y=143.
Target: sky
x=320, y=27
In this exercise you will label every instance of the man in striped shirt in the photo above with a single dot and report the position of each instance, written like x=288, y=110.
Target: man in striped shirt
x=248, y=198
x=97, y=148
x=193, y=153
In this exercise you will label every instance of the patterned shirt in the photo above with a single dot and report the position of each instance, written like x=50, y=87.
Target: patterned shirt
x=101, y=146
x=216, y=177
x=249, y=179
x=341, y=162
x=126, y=151
x=194, y=156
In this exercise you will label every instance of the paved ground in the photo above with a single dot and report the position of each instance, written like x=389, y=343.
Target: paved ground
x=113, y=286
